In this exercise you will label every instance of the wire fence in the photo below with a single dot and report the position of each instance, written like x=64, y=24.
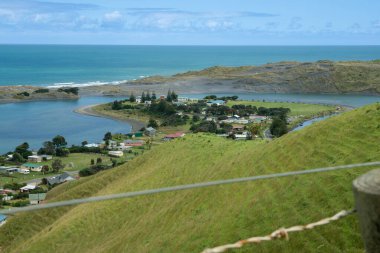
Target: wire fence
x=281, y=233
x=182, y=187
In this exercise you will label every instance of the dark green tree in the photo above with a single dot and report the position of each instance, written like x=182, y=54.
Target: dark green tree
x=143, y=98
x=57, y=165
x=59, y=141
x=132, y=98
x=23, y=150
x=278, y=127
x=17, y=158
x=154, y=97
x=152, y=123
x=107, y=136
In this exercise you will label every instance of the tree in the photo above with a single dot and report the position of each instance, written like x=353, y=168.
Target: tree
x=152, y=123
x=84, y=143
x=23, y=150
x=255, y=129
x=92, y=161
x=132, y=98
x=99, y=160
x=17, y=158
x=64, y=152
x=278, y=127
x=107, y=136
x=59, y=141
x=174, y=96
x=45, y=169
x=147, y=97
x=169, y=96
x=47, y=149
x=196, y=118
x=57, y=165
x=154, y=97
x=143, y=98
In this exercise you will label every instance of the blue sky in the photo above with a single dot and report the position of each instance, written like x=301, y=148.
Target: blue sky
x=195, y=22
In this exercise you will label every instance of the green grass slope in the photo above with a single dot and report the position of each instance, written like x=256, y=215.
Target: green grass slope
x=192, y=220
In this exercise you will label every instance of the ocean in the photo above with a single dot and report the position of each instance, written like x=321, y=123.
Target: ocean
x=54, y=65
x=49, y=65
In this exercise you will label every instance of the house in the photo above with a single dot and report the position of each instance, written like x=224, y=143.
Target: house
x=3, y=219
x=148, y=102
x=162, y=97
x=138, y=100
x=92, y=145
x=28, y=188
x=182, y=99
x=241, y=136
x=216, y=102
x=257, y=118
x=116, y=153
x=34, y=159
x=112, y=144
x=237, y=127
x=32, y=167
x=37, y=198
x=134, y=143
x=174, y=136
x=60, y=179
x=133, y=135
x=150, y=131
x=193, y=99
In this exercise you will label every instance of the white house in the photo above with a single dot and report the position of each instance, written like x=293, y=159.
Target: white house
x=34, y=158
x=116, y=153
x=182, y=99
x=32, y=167
x=28, y=187
x=92, y=145
x=138, y=100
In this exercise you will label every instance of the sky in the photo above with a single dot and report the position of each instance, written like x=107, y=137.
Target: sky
x=195, y=22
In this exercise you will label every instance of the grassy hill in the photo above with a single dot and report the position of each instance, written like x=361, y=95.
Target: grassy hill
x=190, y=221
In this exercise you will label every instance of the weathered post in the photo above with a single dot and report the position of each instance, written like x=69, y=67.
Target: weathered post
x=367, y=202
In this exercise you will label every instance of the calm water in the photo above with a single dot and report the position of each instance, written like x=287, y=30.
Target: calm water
x=49, y=65
x=36, y=122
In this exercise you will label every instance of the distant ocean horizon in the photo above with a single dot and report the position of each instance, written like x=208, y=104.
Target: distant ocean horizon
x=83, y=65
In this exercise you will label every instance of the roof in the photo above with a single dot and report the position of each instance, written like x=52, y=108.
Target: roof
x=175, y=135
x=60, y=179
x=237, y=126
x=2, y=217
x=32, y=165
x=28, y=187
x=216, y=102
x=37, y=196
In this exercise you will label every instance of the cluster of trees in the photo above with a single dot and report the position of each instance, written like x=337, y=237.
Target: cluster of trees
x=211, y=127
x=25, y=94
x=225, y=98
x=43, y=90
x=118, y=105
x=278, y=127
x=98, y=166
x=73, y=90
x=21, y=153
x=147, y=97
x=57, y=146
x=171, y=96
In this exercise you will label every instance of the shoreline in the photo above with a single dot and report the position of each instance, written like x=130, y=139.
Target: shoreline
x=88, y=110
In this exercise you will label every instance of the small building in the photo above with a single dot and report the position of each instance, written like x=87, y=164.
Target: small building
x=112, y=144
x=216, y=102
x=59, y=179
x=34, y=159
x=148, y=102
x=237, y=127
x=37, y=198
x=182, y=99
x=241, y=136
x=32, y=167
x=28, y=188
x=257, y=118
x=138, y=100
x=162, y=97
x=134, y=143
x=150, y=131
x=174, y=136
x=134, y=135
x=92, y=145
x=116, y=153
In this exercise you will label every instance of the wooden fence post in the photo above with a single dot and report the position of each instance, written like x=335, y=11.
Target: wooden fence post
x=367, y=203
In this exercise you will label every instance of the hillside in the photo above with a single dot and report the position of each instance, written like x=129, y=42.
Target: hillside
x=356, y=77
x=190, y=221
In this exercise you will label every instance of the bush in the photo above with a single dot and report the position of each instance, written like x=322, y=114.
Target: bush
x=73, y=90
x=41, y=91
x=20, y=203
x=25, y=94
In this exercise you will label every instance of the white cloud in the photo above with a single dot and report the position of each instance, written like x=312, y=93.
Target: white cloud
x=113, y=16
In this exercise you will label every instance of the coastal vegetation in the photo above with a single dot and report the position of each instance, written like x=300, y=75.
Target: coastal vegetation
x=192, y=220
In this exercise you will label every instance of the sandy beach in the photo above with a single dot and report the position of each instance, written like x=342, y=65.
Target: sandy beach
x=88, y=110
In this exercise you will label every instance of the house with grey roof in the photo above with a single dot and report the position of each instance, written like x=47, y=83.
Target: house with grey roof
x=59, y=179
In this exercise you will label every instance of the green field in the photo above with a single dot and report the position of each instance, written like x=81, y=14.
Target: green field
x=192, y=220
x=296, y=109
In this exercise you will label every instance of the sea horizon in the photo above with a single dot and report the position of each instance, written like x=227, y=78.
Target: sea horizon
x=56, y=65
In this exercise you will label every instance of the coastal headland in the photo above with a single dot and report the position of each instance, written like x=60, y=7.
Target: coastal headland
x=321, y=77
